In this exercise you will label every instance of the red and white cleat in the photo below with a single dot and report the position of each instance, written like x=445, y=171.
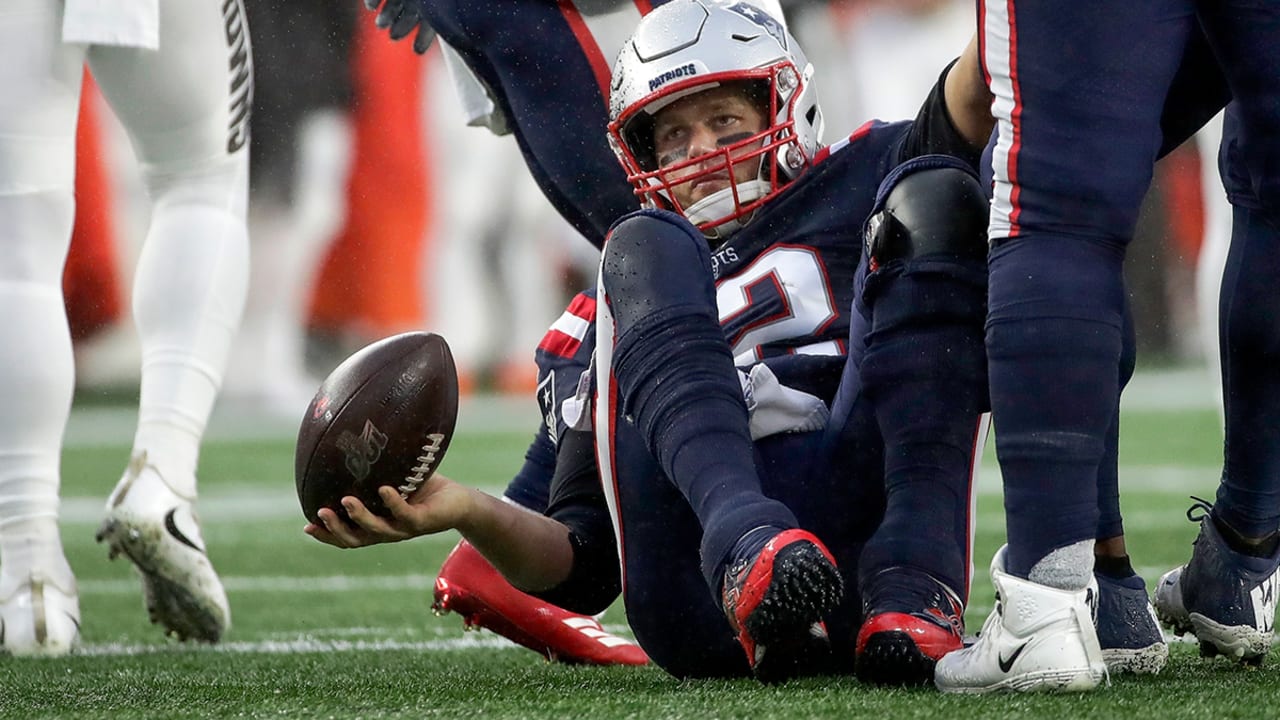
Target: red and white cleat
x=775, y=602
x=468, y=585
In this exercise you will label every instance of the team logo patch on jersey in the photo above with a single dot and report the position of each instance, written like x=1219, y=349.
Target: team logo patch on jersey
x=567, y=333
x=547, y=401
x=763, y=19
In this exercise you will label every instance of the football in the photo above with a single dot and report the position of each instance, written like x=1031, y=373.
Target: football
x=384, y=416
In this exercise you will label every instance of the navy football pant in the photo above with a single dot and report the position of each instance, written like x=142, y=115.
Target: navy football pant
x=670, y=373
x=675, y=447
x=1090, y=76
x=675, y=619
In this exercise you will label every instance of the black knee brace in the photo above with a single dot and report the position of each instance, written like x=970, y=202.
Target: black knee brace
x=929, y=205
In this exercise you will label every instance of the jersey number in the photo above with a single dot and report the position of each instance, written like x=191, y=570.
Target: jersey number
x=780, y=298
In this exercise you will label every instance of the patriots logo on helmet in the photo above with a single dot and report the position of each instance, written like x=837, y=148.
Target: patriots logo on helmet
x=763, y=19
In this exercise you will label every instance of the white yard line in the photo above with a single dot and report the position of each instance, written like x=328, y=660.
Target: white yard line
x=1191, y=388
x=471, y=641
x=219, y=504
x=1174, y=479
x=301, y=644
x=281, y=583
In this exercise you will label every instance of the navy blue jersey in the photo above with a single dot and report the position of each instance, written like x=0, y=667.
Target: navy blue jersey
x=563, y=356
x=784, y=283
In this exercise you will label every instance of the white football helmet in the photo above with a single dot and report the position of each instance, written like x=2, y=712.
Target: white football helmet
x=688, y=46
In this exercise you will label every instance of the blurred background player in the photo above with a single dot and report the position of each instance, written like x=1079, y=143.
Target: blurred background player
x=371, y=281
x=335, y=264
x=178, y=77
x=517, y=261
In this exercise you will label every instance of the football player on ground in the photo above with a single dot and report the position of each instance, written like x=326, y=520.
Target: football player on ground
x=742, y=275
x=178, y=75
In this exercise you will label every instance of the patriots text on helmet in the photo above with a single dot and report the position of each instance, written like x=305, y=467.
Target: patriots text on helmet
x=685, y=70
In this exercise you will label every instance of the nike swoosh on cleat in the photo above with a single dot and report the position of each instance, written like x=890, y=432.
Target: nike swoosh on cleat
x=172, y=528
x=1007, y=664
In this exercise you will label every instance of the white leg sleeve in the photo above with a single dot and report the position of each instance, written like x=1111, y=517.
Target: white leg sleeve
x=36, y=380
x=38, y=110
x=188, y=293
x=185, y=108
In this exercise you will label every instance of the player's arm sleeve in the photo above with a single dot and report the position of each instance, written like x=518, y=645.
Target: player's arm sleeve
x=933, y=131
x=577, y=501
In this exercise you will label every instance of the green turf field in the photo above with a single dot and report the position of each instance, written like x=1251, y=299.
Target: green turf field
x=323, y=633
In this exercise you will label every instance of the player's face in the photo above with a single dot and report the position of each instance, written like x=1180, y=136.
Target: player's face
x=699, y=125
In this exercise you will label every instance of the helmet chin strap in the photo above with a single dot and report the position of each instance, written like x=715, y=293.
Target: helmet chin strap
x=720, y=204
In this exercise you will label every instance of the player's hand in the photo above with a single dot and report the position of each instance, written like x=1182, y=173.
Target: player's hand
x=439, y=505
x=401, y=17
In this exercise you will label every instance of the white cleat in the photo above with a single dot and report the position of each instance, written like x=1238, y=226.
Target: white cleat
x=38, y=618
x=1037, y=638
x=158, y=531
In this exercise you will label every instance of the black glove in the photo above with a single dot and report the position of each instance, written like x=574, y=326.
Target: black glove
x=402, y=16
